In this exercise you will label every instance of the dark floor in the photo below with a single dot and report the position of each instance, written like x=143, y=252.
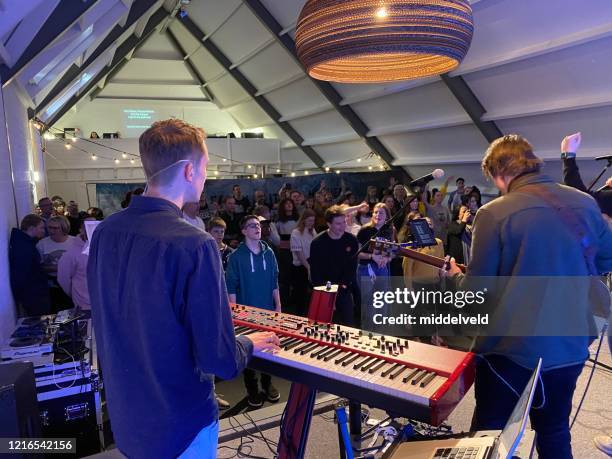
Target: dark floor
x=235, y=393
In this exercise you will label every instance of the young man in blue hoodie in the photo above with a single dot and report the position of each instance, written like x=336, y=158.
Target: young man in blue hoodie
x=252, y=280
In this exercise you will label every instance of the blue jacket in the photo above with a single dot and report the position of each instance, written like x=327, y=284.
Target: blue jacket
x=28, y=280
x=163, y=326
x=253, y=277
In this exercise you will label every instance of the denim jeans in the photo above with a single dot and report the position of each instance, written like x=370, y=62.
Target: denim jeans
x=495, y=401
x=204, y=445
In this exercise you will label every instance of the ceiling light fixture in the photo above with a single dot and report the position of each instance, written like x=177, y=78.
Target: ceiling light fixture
x=370, y=41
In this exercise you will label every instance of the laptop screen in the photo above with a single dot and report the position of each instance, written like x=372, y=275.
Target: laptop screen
x=513, y=431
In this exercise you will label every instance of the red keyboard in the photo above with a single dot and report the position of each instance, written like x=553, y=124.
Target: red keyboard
x=405, y=378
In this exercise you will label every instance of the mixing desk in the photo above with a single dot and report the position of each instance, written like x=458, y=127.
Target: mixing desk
x=403, y=377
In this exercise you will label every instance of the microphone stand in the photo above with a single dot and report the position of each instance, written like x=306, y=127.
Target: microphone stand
x=603, y=171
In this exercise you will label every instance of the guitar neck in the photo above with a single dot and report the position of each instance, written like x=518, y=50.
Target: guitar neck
x=423, y=257
x=395, y=249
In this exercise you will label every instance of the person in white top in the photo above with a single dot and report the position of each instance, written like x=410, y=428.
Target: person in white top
x=72, y=270
x=52, y=247
x=190, y=214
x=301, y=237
x=51, y=250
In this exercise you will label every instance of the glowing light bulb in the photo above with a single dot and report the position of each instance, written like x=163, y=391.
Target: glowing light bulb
x=74, y=139
x=116, y=161
x=94, y=157
x=278, y=171
x=358, y=160
x=381, y=12
x=132, y=161
x=123, y=155
x=337, y=171
x=370, y=167
x=68, y=146
x=306, y=172
x=327, y=169
x=293, y=174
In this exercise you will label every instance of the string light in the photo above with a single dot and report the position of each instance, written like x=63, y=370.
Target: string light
x=132, y=161
x=74, y=139
x=278, y=171
x=47, y=135
x=293, y=174
x=250, y=167
x=216, y=172
x=116, y=161
x=254, y=175
x=94, y=157
x=337, y=171
x=306, y=172
x=68, y=146
x=358, y=160
x=224, y=159
x=123, y=155
x=327, y=169
x=370, y=167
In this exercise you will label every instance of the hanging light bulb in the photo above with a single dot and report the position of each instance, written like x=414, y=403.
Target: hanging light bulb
x=47, y=135
x=254, y=175
x=381, y=167
x=358, y=160
x=370, y=167
x=327, y=169
x=116, y=161
x=293, y=174
x=337, y=171
x=216, y=172
x=94, y=157
x=74, y=139
x=224, y=159
x=123, y=155
x=68, y=146
x=250, y=167
x=306, y=172
x=132, y=161
x=278, y=171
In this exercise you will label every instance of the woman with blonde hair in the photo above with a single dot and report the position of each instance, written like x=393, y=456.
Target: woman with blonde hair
x=301, y=238
x=373, y=271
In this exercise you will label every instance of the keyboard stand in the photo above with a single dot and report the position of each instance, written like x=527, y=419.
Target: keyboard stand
x=295, y=422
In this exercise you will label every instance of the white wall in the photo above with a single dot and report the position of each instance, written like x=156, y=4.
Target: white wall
x=18, y=154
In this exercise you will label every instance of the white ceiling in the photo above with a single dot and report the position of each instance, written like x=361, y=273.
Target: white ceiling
x=539, y=68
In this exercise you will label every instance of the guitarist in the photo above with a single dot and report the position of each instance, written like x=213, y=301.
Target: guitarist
x=536, y=228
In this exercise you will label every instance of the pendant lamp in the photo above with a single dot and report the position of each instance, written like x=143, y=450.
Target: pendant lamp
x=370, y=41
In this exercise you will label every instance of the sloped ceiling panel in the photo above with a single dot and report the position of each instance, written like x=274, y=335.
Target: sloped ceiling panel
x=323, y=127
x=298, y=97
x=422, y=107
x=157, y=91
x=227, y=91
x=209, y=15
x=249, y=115
x=285, y=12
x=158, y=48
x=337, y=152
x=506, y=29
x=148, y=69
x=546, y=132
x=567, y=78
x=240, y=35
x=206, y=65
x=270, y=66
x=455, y=144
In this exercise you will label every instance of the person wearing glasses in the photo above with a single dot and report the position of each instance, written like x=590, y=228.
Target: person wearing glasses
x=252, y=280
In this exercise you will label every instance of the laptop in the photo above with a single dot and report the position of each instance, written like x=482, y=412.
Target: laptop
x=501, y=447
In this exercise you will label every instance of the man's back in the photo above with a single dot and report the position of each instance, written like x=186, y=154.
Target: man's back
x=162, y=324
x=520, y=236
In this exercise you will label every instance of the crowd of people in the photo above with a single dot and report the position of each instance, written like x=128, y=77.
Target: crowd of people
x=47, y=266
x=175, y=280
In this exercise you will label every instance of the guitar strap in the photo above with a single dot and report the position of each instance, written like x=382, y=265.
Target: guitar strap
x=568, y=216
